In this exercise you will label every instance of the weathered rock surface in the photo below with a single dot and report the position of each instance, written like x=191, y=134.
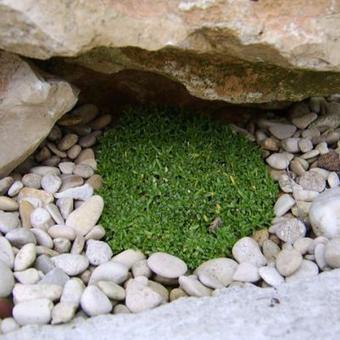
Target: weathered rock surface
x=29, y=106
x=250, y=310
x=222, y=50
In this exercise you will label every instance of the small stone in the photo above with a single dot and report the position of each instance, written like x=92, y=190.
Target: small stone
x=8, y=325
x=62, y=313
x=40, y=218
x=290, y=145
x=141, y=268
x=160, y=289
x=305, y=145
x=129, y=257
x=15, y=188
x=98, y=252
x=42, y=155
x=271, y=276
x=304, y=195
x=324, y=213
x=8, y=204
x=70, y=181
x=85, y=155
x=290, y=230
x=111, y=290
x=23, y=293
x=288, y=261
x=312, y=181
x=5, y=184
x=270, y=250
x=303, y=121
x=44, y=264
x=6, y=252
x=303, y=244
x=51, y=183
x=323, y=148
x=95, y=302
x=320, y=258
x=247, y=250
x=67, y=141
x=66, y=167
x=332, y=253
x=120, y=309
x=25, y=211
x=42, y=238
x=55, y=213
x=83, y=219
x=260, y=236
x=36, y=312
x=307, y=269
x=25, y=257
x=297, y=167
x=32, y=181
x=193, y=287
x=140, y=297
x=87, y=112
x=8, y=221
x=101, y=122
x=283, y=205
x=286, y=183
x=7, y=280
x=83, y=193
x=55, y=134
x=311, y=133
x=282, y=131
x=88, y=140
x=279, y=161
x=310, y=154
x=74, y=151
x=78, y=244
x=329, y=161
x=110, y=271
x=62, y=231
x=20, y=236
x=56, y=151
x=41, y=195
x=177, y=293
x=271, y=144
x=71, y=264
x=45, y=170
x=65, y=206
x=55, y=276
x=41, y=250
x=167, y=265
x=246, y=272
x=83, y=170
x=27, y=277
x=52, y=162
x=96, y=181
x=96, y=233
x=333, y=180
x=73, y=290
x=221, y=270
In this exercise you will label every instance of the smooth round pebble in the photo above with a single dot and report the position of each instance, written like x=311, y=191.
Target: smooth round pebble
x=94, y=302
x=6, y=281
x=98, y=252
x=288, y=261
x=332, y=253
x=247, y=250
x=271, y=276
x=307, y=269
x=246, y=272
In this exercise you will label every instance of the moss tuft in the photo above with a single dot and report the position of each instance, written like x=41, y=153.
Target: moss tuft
x=168, y=175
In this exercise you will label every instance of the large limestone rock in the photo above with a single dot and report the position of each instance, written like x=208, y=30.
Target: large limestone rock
x=296, y=311
x=237, y=51
x=29, y=106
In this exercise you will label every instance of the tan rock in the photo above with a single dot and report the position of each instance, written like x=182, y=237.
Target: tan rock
x=29, y=107
x=44, y=196
x=25, y=211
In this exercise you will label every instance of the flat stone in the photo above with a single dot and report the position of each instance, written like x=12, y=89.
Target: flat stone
x=62, y=231
x=167, y=265
x=5, y=184
x=140, y=297
x=193, y=287
x=55, y=276
x=7, y=280
x=20, y=236
x=15, y=188
x=85, y=155
x=312, y=181
x=98, y=252
x=25, y=211
x=28, y=277
x=71, y=264
x=96, y=233
x=110, y=271
x=56, y=151
x=111, y=290
x=307, y=270
x=41, y=195
x=85, y=217
x=247, y=250
x=23, y=293
x=288, y=261
x=284, y=203
x=42, y=237
x=25, y=257
x=8, y=221
x=128, y=257
x=83, y=193
x=83, y=170
x=36, y=312
x=94, y=302
x=51, y=183
x=290, y=145
x=67, y=142
x=65, y=206
x=324, y=213
x=290, y=230
x=279, y=161
x=271, y=276
x=62, y=313
x=74, y=151
x=303, y=121
x=96, y=181
x=246, y=272
x=220, y=269
x=8, y=204
x=45, y=170
x=282, y=131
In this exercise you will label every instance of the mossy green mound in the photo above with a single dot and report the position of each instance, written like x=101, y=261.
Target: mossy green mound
x=168, y=175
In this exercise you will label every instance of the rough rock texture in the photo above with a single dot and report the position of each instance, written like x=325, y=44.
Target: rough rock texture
x=29, y=106
x=239, y=52
x=300, y=310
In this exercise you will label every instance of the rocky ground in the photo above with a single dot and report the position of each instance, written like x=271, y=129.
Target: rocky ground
x=54, y=266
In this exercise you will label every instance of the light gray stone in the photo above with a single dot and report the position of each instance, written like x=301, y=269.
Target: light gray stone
x=71, y=264
x=83, y=192
x=110, y=271
x=51, y=183
x=281, y=130
x=15, y=188
x=127, y=257
x=94, y=302
x=55, y=276
x=111, y=290
x=284, y=203
x=73, y=291
x=28, y=277
x=62, y=313
x=307, y=270
x=6, y=252
x=288, y=261
x=98, y=252
x=8, y=221
x=20, y=236
x=290, y=230
x=271, y=276
x=6, y=281
x=193, y=287
x=8, y=325
x=332, y=253
x=246, y=272
x=279, y=161
x=313, y=181
x=247, y=250
x=23, y=293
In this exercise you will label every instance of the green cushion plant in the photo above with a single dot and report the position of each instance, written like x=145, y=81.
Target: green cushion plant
x=169, y=175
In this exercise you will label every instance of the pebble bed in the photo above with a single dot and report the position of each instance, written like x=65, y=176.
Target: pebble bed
x=54, y=266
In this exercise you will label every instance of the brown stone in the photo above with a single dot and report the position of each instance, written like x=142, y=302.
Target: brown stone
x=96, y=181
x=6, y=307
x=329, y=161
